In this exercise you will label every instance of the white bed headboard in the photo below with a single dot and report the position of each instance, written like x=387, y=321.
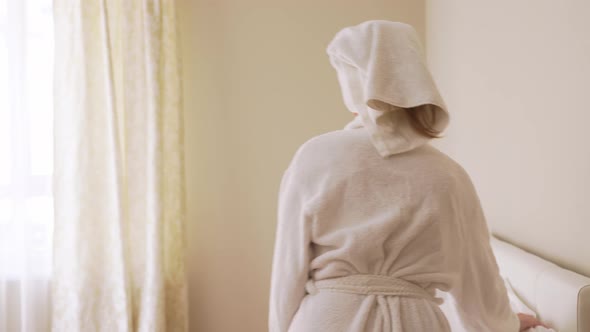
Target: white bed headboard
x=560, y=297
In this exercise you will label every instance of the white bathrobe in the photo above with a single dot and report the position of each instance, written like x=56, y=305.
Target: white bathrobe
x=373, y=220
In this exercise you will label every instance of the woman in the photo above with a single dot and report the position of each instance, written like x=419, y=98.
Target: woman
x=372, y=219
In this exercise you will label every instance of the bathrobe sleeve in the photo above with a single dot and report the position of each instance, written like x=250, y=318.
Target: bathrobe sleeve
x=480, y=294
x=291, y=255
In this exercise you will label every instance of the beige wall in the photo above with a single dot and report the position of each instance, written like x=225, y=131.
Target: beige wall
x=257, y=85
x=516, y=76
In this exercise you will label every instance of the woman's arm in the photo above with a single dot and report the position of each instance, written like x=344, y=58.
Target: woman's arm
x=479, y=292
x=528, y=321
x=291, y=255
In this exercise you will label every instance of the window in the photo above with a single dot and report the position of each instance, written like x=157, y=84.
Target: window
x=26, y=159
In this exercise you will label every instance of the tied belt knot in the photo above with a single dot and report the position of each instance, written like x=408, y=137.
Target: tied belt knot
x=370, y=284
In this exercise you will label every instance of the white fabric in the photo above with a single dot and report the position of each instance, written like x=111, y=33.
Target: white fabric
x=369, y=284
x=119, y=205
x=382, y=73
x=520, y=307
x=516, y=303
x=26, y=205
x=539, y=329
x=344, y=210
x=560, y=297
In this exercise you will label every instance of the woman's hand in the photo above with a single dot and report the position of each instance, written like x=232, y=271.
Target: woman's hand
x=528, y=321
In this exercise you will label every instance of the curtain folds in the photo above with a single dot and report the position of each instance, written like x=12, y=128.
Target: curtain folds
x=118, y=171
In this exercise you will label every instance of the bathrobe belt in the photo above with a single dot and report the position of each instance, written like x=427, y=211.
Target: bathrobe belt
x=370, y=284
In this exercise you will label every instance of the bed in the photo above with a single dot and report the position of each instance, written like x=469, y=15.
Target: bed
x=557, y=296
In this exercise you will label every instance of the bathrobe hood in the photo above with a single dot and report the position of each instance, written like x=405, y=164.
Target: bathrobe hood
x=383, y=75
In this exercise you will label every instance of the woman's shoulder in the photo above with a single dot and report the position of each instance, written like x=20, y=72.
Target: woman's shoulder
x=444, y=167
x=334, y=147
x=347, y=151
x=336, y=139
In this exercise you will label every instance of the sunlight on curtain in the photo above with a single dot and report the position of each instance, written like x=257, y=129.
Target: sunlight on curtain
x=119, y=196
x=26, y=159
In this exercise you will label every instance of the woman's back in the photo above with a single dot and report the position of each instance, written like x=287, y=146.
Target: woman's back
x=379, y=216
x=372, y=219
x=413, y=216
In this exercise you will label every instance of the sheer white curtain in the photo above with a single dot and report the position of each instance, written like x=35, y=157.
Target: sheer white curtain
x=119, y=197
x=26, y=207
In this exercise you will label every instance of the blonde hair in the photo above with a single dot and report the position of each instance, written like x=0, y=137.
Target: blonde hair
x=422, y=119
